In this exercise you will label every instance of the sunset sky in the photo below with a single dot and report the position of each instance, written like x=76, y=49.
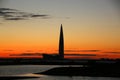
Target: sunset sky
x=32, y=27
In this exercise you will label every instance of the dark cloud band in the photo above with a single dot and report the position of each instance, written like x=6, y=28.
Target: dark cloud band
x=80, y=54
x=112, y=52
x=13, y=14
x=82, y=50
x=27, y=54
x=40, y=54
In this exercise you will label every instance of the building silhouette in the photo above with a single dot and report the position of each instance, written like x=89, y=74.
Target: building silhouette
x=61, y=43
x=60, y=54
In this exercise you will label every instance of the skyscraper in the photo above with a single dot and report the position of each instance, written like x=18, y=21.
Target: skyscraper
x=60, y=54
x=61, y=43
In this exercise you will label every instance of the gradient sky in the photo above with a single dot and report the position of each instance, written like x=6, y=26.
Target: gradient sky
x=90, y=27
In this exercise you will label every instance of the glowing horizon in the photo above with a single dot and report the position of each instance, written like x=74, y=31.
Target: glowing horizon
x=88, y=25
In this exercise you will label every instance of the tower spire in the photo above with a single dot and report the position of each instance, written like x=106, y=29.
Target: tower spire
x=61, y=43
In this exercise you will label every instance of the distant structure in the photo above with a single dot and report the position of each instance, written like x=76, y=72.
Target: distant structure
x=61, y=43
x=61, y=49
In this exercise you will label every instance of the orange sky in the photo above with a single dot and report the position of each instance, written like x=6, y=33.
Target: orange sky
x=87, y=26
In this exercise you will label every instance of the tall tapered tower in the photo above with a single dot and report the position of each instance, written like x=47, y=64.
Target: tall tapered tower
x=61, y=43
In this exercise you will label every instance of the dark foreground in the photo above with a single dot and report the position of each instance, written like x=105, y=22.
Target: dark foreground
x=15, y=77
x=93, y=68
x=93, y=71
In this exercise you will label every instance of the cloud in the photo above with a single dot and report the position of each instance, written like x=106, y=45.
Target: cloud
x=113, y=52
x=80, y=54
x=27, y=54
x=82, y=50
x=13, y=14
x=40, y=54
